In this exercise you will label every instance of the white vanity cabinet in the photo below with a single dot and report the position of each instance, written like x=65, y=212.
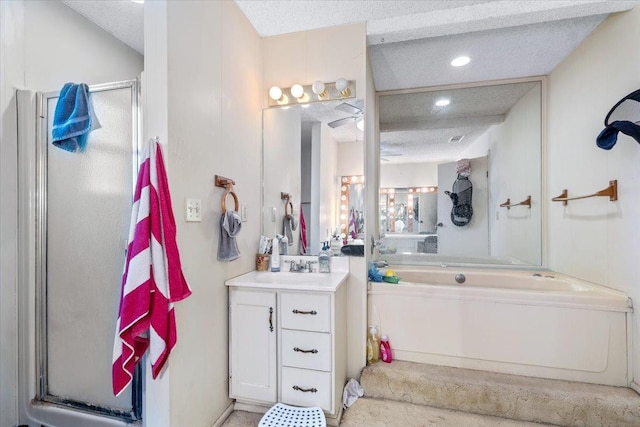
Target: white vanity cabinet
x=302, y=361
x=252, y=342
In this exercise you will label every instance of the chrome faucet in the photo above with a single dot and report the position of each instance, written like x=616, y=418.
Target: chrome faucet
x=300, y=266
x=383, y=263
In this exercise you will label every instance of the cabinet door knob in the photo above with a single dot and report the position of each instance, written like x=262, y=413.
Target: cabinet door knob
x=305, y=390
x=312, y=312
x=299, y=350
x=271, y=319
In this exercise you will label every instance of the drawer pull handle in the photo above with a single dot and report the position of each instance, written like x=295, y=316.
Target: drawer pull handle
x=305, y=390
x=312, y=312
x=299, y=350
x=271, y=319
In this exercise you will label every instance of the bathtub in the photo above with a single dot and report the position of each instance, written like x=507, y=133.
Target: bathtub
x=532, y=323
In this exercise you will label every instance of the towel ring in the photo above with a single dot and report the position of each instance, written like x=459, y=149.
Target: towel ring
x=229, y=190
x=287, y=198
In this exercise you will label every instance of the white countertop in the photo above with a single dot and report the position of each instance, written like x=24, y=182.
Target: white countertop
x=325, y=282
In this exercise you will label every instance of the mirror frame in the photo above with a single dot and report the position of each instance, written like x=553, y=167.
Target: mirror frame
x=373, y=152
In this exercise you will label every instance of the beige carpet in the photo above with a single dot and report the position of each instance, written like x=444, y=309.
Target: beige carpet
x=539, y=400
x=405, y=394
x=385, y=413
x=242, y=419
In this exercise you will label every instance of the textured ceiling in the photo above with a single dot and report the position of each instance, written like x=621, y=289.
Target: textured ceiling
x=411, y=44
x=122, y=19
x=411, y=124
x=512, y=52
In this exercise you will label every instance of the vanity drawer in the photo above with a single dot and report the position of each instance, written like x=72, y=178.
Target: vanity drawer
x=303, y=387
x=306, y=312
x=308, y=350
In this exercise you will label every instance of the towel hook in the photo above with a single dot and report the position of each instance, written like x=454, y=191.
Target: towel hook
x=227, y=184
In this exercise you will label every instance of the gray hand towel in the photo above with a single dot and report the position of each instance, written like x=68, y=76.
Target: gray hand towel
x=230, y=225
x=290, y=223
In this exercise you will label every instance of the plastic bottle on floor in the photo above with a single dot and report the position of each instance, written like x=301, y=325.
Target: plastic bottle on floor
x=385, y=349
x=374, y=355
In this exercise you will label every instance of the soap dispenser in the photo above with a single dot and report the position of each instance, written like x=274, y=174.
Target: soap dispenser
x=324, y=259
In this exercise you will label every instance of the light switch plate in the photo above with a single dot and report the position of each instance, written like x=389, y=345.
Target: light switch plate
x=193, y=210
x=244, y=213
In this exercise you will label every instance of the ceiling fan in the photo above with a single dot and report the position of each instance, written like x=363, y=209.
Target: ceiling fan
x=357, y=114
x=384, y=154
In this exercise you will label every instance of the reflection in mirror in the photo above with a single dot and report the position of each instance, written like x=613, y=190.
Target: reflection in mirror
x=488, y=138
x=408, y=219
x=303, y=148
x=352, y=209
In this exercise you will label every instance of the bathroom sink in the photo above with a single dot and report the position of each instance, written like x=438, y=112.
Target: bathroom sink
x=287, y=280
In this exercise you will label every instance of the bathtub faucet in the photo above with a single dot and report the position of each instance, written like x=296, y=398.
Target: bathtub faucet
x=381, y=263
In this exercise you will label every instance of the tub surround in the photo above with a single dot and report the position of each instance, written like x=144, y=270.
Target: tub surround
x=506, y=321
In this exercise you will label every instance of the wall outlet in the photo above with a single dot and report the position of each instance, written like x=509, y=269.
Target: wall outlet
x=193, y=210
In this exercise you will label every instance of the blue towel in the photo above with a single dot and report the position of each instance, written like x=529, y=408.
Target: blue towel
x=72, y=119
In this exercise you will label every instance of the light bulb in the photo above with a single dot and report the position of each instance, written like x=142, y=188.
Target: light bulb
x=275, y=93
x=343, y=87
x=442, y=102
x=297, y=91
x=318, y=88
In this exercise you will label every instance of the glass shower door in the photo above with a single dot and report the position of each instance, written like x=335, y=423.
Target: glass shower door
x=84, y=212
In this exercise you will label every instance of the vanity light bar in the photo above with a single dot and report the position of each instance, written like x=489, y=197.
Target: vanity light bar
x=410, y=190
x=299, y=94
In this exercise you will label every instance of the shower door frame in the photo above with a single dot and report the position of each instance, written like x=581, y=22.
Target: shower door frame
x=41, y=344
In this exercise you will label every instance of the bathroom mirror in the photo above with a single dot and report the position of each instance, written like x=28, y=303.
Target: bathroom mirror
x=306, y=151
x=424, y=135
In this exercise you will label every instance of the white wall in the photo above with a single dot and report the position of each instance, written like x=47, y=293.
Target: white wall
x=351, y=158
x=515, y=174
x=402, y=175
x=328, y=181
x=214, y=127
x=11, y=76
x=595, y=239
x=282, y=167
x=337, y=52
x=62, y=46
x=471, y=240
x=31, y=58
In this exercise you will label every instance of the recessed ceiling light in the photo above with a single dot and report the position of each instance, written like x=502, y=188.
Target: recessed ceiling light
x=460, y=61
x=442, y=102
x=456, y=138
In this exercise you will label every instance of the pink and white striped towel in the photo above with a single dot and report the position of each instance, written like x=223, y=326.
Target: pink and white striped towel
x=152, y=280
